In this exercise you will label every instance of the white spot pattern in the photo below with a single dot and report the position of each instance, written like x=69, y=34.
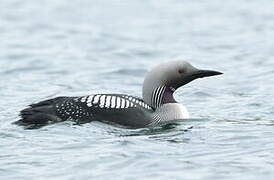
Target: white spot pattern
x=96, y=99
x=83, y=99
x=118, y=99
x=102, y=101
x=108, y=101
x=122, y=103
x=113, y=101
x=127, y=104
x=72, y=111
x=89, y=98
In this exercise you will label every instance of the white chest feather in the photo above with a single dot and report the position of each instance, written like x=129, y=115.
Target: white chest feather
x=181, y=111
x=173, y=111
x=169, y=113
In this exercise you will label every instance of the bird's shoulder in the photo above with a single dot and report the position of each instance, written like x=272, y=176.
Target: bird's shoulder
x=112, y=101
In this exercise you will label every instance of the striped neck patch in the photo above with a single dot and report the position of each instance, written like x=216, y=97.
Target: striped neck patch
x=157, y=96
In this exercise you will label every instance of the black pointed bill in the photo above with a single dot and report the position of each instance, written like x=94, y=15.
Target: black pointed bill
x=195, y=74
x=206, y=73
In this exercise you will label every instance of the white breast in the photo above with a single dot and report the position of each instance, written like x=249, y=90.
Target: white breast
x=182, y=111
x=178, y=111
x=168, y=113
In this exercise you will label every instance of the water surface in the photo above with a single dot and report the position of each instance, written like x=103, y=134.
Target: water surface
x=56, y=48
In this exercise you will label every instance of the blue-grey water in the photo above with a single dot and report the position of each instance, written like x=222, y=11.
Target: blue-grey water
x=52, y=48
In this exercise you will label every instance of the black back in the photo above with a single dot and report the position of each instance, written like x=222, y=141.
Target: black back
x=112, y=108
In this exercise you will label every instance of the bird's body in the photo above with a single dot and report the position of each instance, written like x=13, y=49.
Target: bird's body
x=157, y=107
x=120, y=109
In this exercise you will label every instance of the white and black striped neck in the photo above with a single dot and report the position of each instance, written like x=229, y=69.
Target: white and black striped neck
x=162, y=95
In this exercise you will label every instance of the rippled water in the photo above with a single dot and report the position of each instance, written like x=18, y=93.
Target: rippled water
x=53, y=48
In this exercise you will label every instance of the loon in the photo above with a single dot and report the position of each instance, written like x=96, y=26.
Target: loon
x=157, y=107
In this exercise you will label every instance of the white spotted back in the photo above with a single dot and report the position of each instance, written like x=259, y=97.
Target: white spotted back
x=109, y=101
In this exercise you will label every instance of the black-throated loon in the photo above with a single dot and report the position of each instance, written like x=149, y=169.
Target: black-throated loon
x=158, y=105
